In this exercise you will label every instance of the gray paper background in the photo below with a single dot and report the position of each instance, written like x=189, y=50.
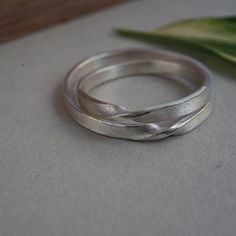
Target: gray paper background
x=59, y=179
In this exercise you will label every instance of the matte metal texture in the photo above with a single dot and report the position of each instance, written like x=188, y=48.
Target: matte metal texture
x=152, y=123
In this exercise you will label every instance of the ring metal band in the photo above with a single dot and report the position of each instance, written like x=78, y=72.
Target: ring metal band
x=152, y=123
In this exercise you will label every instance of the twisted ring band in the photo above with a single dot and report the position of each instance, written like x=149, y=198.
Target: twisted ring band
x=152, y=123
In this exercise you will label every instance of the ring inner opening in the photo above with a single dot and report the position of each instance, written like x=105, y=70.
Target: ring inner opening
x=138, y=92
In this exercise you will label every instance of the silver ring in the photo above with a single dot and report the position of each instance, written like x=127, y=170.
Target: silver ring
x=152, y=123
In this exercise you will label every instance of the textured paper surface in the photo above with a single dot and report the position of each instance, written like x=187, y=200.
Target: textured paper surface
x=59, y=179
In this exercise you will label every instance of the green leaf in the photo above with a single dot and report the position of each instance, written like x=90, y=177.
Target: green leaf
x=217, y=35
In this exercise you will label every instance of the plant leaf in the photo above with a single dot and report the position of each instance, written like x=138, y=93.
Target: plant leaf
x=217, y=35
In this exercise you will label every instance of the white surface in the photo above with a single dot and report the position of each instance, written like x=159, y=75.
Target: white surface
x=59, y=179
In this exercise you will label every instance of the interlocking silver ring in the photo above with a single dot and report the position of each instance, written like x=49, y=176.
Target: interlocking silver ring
x=152, y=123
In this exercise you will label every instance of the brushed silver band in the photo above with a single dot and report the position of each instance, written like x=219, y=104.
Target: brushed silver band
x=152, y=123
